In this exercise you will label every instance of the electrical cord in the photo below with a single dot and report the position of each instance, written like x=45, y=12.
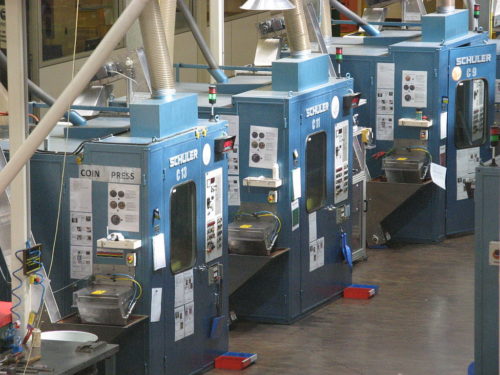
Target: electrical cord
x=126, y=277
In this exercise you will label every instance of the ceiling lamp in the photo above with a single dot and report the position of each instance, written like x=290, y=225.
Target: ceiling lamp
x=267, y=5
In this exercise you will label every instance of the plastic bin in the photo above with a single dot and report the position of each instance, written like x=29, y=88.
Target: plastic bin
x=357, y=291
x=235, y=360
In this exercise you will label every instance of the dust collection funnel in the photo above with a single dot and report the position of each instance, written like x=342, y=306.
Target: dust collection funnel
x=267, y=5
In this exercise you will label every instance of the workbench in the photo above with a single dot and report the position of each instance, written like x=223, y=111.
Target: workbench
x=62, y=357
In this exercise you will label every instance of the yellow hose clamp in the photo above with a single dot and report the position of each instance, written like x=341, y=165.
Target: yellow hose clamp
x=79, y=160
x=197, y=134
x=204, y=132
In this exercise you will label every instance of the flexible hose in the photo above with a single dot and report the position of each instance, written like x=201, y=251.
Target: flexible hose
x=326, y=19
x=167, y=8
x=445, y=6
x=296, y=28
x=155, y=47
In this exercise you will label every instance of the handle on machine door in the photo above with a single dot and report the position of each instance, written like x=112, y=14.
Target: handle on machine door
x=330, y=207
x=366, y=205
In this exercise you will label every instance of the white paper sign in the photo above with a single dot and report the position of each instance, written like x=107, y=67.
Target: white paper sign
x=103, y=173
x=438, y=175
x=443, y=125
x=179, y=323
x=385, y=75
x=263, y=147
x=385, y=127
x=188, y=319
x=297, y=185
x=316, y=254
x=81, y=228
x=184, y=287
x=159, y=258
x=179, y=289
x=80, y=195
x=295, y=214
x=188, y=286
x=234, y=190
x=156, y=304
x=385, y=101
x=467, y=161
x=123, y=207
x=81, y=262
x=313, y=256
x=414, y=88
x=312, y=227
x=320, y=248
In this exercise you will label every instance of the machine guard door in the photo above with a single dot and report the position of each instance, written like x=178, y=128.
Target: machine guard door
x=317, y=219
x=471, y=86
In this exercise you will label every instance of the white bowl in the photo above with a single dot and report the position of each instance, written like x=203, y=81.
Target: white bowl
x=75, y=336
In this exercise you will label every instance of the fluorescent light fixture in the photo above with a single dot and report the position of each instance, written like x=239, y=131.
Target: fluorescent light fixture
x=267, y=5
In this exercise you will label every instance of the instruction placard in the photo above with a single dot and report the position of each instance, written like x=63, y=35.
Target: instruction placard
x=81, y=262
x=184, y=304
x=263, y=147
x=414, y=88
x=384, y=120
x=467, y=161
x=316, y=254
x=123, y=207
x=81, y=228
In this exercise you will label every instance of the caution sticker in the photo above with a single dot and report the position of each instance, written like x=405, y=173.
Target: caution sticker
x=246, y=226
x=98, y=292
x=402, y=159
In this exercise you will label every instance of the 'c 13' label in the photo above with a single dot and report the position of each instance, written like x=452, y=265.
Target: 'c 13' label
x=105, y=173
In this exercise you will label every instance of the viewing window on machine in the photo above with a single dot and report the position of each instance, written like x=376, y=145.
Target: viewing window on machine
x=471, y=113
x=316, y=171
x=183, y=227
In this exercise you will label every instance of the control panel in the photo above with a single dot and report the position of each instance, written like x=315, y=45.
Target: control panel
x=341, y=161
x=213, y=214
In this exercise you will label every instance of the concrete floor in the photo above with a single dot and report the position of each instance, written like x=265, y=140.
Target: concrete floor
x=420, y=323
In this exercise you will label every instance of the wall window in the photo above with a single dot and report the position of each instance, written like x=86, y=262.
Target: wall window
x=316, y=171
x=183, y=227
x=471, y=113
x=95, y=18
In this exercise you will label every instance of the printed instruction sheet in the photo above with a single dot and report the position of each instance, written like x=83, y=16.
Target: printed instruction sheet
x=123, y=207
x=263, y=147
x=467, y=161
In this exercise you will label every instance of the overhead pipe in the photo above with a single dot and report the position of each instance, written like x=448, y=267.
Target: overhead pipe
x=214, y=69
x=156, y=50
x=114, y=36
x=296, y=29
x=370, y=30
x=38, y=92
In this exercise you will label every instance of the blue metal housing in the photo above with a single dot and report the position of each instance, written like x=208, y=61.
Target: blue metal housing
x=285, y=289
x=437, y=27
x=299, y=73
x=432, y=213
x=158, y=118
x=486, y=271
x=145, y=347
